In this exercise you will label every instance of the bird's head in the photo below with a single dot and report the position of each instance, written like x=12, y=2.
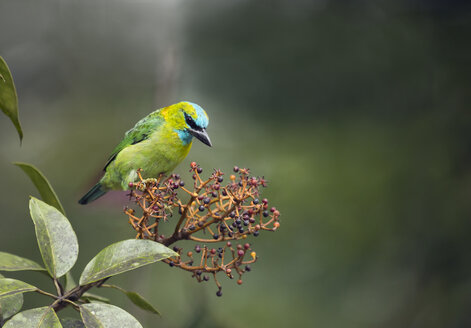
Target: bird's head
x=188, y=120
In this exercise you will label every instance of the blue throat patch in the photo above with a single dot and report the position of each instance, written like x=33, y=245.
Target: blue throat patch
x=184, y=136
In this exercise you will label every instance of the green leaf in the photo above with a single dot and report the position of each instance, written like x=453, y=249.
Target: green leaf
x=56, y=238
x=69, y=282
x=136, y=299
x=10, y=305
x=93, y=297
x=43, y=317
x=8, y=96
x=10, y=287
x=99, y=315
x=42, y=184
x=124, y=256
x=10, y=262
x=72, y=323
x=141, y=302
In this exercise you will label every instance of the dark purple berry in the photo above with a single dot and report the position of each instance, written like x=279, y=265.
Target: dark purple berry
x=236, y=169
x=192, y=227
x=246, y=222
x=199, y=170
x=256, y=233
x=201, y=208
x=197, y=248
x=265, y=213
x=220, y=179
x=256, y=201
x=171, y=264
x=205, y=278
x=206, y=200
x=219, y=293
x=175, y=248
x=240, y=252
x=248, y=268
x=224, y=192
x=215, y=236
x=214, y=194
x=182, y=183
x=251, y=220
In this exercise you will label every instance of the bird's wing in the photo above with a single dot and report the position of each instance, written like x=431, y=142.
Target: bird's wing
x=141, y=131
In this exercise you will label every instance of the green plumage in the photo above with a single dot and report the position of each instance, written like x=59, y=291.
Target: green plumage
x=156, y=145
x=141, y=131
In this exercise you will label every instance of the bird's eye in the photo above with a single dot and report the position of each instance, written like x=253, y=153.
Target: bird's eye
x=189, y=120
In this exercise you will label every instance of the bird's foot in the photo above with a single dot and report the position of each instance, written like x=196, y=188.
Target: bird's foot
x=149, y=181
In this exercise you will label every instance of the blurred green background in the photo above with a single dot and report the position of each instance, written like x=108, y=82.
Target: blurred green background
x=357, y=112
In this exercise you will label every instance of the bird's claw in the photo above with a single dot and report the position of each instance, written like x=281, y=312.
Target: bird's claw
x=145, y=182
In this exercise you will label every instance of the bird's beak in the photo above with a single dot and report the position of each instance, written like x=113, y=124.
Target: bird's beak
x=201, y=136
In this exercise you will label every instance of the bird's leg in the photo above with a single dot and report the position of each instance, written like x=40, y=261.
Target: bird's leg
x=149, y=181
x=156, y=181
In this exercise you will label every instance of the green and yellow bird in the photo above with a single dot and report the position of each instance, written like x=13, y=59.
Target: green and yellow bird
x=156, y=145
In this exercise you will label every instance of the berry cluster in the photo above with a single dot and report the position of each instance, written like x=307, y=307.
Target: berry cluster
x=213, y=214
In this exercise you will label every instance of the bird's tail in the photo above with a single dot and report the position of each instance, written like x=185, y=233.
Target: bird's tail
x=94, y=193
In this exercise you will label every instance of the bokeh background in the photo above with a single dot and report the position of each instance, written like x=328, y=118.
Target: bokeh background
x=356, y=111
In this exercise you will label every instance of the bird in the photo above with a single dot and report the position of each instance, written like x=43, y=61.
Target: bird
x=155, y=145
